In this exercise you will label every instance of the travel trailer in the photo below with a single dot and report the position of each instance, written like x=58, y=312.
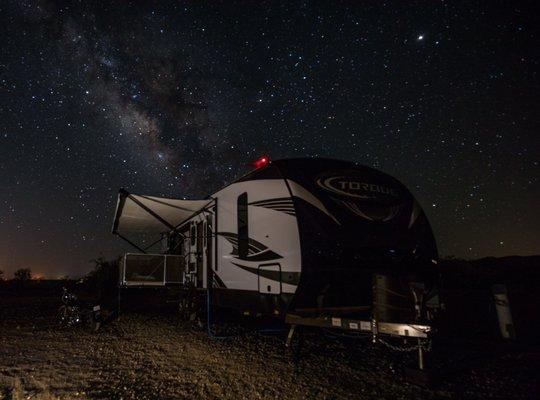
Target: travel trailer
x=313, y=241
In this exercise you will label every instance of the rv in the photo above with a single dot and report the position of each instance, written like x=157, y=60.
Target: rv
x=312, y=241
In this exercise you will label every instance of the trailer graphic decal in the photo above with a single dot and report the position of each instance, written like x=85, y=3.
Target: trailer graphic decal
x=302, y=193
x=292, y=278
x=256, y=251
x=217, y=282
x=390, y=212
x=283, y=204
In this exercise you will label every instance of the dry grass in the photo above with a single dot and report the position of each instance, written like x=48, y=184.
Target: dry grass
x=140, y=357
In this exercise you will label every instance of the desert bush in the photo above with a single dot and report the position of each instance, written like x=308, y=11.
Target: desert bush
x=23, y=274
x=103, y=279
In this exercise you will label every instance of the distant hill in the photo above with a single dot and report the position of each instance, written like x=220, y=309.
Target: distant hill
x=530, y=261
x=490, y=270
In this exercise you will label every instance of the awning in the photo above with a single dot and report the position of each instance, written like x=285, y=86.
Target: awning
x=150, y=215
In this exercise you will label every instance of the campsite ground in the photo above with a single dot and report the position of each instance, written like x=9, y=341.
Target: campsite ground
x=152, y=356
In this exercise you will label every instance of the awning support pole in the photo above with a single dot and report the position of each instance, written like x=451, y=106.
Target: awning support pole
x=131, y=243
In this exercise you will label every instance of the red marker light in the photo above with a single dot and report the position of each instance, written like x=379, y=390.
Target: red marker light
x=261, y=162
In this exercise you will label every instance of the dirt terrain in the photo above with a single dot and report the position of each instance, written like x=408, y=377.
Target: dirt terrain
x=141, y=356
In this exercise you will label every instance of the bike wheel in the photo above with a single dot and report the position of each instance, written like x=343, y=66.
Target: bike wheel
x=62, y=315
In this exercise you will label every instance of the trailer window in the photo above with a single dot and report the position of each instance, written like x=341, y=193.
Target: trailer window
x=243, y=233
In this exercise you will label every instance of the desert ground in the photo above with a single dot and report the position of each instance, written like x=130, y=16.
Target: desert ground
x=153, y=355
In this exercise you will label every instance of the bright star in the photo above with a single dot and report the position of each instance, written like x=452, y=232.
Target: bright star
x=420, y=37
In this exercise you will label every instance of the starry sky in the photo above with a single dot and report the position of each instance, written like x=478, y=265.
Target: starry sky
x=175, y=98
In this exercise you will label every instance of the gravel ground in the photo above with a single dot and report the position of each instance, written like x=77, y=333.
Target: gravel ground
x=146, y=357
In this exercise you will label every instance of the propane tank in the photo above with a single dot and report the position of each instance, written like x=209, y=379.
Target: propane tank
x=502, y=305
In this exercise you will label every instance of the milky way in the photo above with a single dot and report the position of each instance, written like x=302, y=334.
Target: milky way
x=175, y=99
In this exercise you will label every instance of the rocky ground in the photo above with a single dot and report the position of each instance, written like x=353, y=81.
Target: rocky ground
x=141, y=356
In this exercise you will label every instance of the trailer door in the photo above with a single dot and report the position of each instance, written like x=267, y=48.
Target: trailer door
x=209, y=250
x=199, y=253
x=270, y=278
x=189, y=252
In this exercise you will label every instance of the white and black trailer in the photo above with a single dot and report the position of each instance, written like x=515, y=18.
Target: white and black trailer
x=313, y=241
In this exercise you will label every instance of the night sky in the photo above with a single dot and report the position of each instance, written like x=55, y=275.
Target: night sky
x=175, y=100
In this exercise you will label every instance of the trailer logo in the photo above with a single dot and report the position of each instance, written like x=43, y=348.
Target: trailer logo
x=353, y=187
